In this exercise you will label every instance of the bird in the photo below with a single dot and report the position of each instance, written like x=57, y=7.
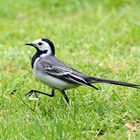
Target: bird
x=52, y=72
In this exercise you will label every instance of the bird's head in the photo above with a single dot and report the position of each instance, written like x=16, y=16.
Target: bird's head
x=43, y=45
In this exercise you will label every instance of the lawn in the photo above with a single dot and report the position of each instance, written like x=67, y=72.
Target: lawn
x=98, y=38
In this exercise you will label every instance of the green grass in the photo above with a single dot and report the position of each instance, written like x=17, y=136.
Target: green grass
x=99, y=38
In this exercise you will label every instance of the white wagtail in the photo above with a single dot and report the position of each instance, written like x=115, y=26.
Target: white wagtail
x=54, y=73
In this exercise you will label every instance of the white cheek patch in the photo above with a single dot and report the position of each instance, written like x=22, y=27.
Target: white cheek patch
x=44, y=46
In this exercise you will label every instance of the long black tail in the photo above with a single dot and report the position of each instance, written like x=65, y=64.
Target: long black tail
x=99, y=80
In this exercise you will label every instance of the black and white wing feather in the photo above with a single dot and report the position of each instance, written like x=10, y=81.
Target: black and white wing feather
x=58, y=69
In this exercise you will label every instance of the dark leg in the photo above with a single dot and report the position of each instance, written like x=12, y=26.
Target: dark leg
x=65, y=96
x=36, y=91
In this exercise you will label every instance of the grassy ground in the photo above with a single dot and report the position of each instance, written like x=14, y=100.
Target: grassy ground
x=98, y=38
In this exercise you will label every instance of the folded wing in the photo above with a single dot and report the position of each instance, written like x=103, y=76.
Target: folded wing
x=64, y=72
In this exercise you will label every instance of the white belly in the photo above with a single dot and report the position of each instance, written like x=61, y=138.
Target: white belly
x=52, y=81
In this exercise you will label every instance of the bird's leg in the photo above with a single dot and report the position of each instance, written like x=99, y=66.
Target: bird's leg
x=36, y=91
x=65, y=96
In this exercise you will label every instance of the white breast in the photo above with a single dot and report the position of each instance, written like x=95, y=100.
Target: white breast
x=50, y=80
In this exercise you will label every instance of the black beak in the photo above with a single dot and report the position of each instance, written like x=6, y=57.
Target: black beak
x=30, y=44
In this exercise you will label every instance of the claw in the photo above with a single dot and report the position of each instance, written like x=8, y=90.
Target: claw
x=29, y=93
x=13, y=92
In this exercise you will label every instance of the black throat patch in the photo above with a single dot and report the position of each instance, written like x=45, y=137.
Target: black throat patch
x=37, y=55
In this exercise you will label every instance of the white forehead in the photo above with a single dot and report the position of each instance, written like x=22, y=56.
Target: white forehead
x=44, y=46
x=37, y=41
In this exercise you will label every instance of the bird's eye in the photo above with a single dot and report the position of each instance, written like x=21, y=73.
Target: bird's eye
x=40, y=43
